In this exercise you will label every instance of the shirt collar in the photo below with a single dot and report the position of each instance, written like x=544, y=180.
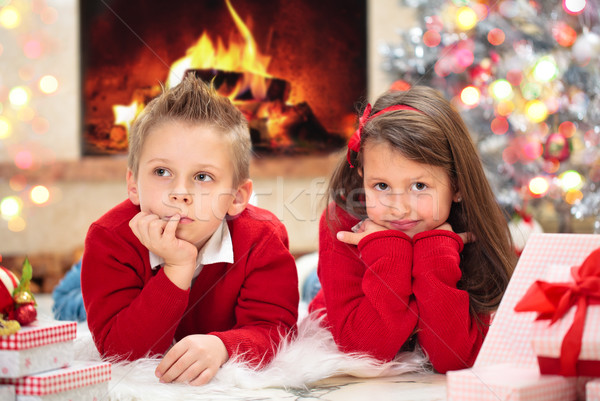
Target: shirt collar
x=218, y=249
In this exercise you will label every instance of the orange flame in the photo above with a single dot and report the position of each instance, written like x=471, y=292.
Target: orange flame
x=241, y=56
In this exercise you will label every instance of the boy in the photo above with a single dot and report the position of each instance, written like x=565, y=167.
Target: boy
x=185, y=259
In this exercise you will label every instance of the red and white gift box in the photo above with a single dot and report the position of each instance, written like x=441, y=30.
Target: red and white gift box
x=38, y=347
x=507, y=382
x=509, y=339
x=548, y=338
x=82, y=380
x=592, y=390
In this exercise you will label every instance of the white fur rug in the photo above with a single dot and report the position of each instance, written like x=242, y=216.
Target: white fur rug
x=311, y=357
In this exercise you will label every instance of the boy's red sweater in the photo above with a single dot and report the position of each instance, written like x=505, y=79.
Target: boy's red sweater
x=378, y=294
x=134, y=311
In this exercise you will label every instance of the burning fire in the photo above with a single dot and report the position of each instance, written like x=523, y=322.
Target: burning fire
x=241, y=56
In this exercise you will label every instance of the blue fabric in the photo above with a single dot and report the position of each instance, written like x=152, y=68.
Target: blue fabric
x=68, y=301
x=311, y=286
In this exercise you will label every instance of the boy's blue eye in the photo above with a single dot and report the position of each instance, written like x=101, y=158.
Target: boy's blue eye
x=203, y=177
x=162, y=172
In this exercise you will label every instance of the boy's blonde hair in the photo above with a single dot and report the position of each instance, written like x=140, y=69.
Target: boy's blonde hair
x=195, y=102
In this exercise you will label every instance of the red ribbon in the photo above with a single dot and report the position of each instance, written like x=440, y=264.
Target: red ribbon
x=553, y=300
x=354, y=142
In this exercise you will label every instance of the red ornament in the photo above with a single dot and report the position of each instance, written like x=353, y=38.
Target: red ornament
x=557, y=147
x=25, y=314
x=8, y=283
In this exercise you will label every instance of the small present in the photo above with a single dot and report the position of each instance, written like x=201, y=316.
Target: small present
x=82, y=380
x=592, y=390
x=509, y=337
x=507, y=382
x=565, y=334
x=41, y=346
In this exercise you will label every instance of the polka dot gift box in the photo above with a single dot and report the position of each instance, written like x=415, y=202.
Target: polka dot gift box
x=37, y=347
x=81, y=381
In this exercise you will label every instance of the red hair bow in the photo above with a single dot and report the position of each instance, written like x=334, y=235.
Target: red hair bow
x=553, y=300
x=354, y=142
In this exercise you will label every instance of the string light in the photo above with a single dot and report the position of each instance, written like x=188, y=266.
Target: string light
x=567, y=129
x=19, y=96
x=466, y=18
x=501, y=89
x=432, y=38
x=564, y=34
x=574, y=196
x=24, y=160
x=545, y=69
x=538, y=186
x=17, y=224
x=10, y=207
x=570, y=180
x=470, y=96
x=39, y=194
x=48, y=84
x=499, y=125
x=574, y=7
x=5, y=127
x=536, y=111
x=10, y=18
x=496, y=36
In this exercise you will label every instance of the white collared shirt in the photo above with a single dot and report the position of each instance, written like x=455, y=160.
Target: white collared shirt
x=218, y=249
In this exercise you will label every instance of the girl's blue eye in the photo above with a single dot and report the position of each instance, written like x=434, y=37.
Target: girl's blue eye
x=381, y=186
x=203, y=177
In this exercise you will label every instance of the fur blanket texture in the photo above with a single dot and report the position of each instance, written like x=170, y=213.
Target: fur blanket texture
x=298, y=364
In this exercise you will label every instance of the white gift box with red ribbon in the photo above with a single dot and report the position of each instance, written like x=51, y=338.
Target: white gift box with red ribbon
x=82, y=380
x=509, y=340
x=547, y=338
x=41, y=346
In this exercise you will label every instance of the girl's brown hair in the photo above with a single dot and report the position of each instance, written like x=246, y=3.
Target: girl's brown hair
x=436, y=135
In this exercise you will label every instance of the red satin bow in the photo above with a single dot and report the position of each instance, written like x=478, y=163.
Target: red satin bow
x=553, y=300
x=354, y=142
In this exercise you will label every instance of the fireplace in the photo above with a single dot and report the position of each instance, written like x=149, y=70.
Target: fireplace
x=296, y=69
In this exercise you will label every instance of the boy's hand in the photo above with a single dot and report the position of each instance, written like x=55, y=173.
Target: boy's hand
x=365, y=228
x=466, y=237
x=194, y=360
x=159, y=237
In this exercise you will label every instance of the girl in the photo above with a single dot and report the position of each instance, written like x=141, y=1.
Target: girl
x=394, y=272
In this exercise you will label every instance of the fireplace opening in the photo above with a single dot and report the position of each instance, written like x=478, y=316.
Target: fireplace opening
x=295, y=69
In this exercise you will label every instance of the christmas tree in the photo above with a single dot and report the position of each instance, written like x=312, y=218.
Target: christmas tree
x=525, y=76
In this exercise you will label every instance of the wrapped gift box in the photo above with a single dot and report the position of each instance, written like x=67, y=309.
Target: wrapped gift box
x=510, y=335
x=592, y=390
x=509, y=339
x=547, y=339
x=82, y=380
x=507, y=382
x=41, y=346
